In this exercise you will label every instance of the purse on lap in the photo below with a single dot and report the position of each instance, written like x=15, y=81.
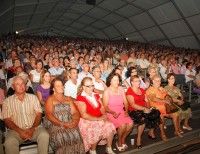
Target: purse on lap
x=170, y=108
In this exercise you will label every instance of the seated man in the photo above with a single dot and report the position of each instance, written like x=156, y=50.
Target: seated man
x=22, y=115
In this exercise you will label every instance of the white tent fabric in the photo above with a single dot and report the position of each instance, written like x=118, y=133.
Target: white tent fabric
x=166, y=22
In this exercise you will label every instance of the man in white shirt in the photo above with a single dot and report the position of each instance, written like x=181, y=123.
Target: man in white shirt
x=22, y=115
x=72, y=84
x=163, y=69
x=189, y=73
x=85, y=72
x=142, y=62
x=56, y=69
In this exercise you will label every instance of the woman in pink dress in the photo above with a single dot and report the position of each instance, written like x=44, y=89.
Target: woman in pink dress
x=94, y=126
x=116, y=106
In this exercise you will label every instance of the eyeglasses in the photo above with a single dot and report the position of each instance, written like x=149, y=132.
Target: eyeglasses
x=89, y=86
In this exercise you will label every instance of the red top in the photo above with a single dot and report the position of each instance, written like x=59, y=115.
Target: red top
x=139, y=99
x=90, y=109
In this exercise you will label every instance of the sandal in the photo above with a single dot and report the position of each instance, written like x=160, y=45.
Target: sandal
x=164, y=138
x=178, y=134
x=120, y=148
x=125, y=146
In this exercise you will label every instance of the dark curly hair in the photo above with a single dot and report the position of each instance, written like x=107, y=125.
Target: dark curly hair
x=128, y=73
x=110, y=77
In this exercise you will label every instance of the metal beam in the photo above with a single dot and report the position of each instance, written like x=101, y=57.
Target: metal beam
x=13, y=17
x=90, y=24
x=129, y=22
x=76, y=28
x=70, y=5
x=155, y=22
x=34, y=3
x=186, y=22
x=29, y=22
x=68, y=32
x=85, y=13
x=49, y=13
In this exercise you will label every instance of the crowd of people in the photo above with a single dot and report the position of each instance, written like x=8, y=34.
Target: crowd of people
x=75, y=94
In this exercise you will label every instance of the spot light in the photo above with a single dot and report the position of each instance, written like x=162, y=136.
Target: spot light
x=17, y=32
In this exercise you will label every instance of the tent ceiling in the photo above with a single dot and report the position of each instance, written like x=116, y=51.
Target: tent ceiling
x=167, y=22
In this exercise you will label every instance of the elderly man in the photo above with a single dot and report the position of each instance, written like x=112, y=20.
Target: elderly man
x=22, y=115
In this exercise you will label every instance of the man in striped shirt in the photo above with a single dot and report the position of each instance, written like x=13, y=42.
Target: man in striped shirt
x=22, y=115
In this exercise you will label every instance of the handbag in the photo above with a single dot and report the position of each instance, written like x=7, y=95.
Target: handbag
x=185, y=106
x=170, y=108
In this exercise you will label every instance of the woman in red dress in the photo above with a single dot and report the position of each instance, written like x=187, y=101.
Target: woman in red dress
x=94, y=125
x=139, y=110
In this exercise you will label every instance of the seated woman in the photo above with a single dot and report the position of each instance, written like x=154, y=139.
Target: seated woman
x=61, y=121
x=43, y=90
x=156, y=96
x=139, y=110
x=175, y=93
x=116, y=106
x=93, y=125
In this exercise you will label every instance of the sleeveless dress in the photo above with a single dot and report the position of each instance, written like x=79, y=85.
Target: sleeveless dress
x=116, y=104
x=93, y=131
x=62, y=140
x=151, y=120
x=161, y=94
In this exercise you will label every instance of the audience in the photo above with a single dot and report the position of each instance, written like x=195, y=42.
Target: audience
x=75, y=59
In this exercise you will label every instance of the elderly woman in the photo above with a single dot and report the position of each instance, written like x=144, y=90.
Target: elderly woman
x=175, y=93
x=62, y=120
x=139, y=110
x=156, y=96
x=116, y=106
x=94, y=125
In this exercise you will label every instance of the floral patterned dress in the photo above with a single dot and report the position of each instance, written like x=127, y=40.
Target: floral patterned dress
x=62, y=140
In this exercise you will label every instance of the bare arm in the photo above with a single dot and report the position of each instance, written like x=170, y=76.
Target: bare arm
x=39, y=96
x=125, y=101
x=153, y=98
x=82, y=109
x=37, y=120
x=131, y=101
x=75, y=116
x=11, y=125
x=105, y=102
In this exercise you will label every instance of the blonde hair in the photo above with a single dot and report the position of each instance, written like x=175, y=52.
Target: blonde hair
x=80, y=88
